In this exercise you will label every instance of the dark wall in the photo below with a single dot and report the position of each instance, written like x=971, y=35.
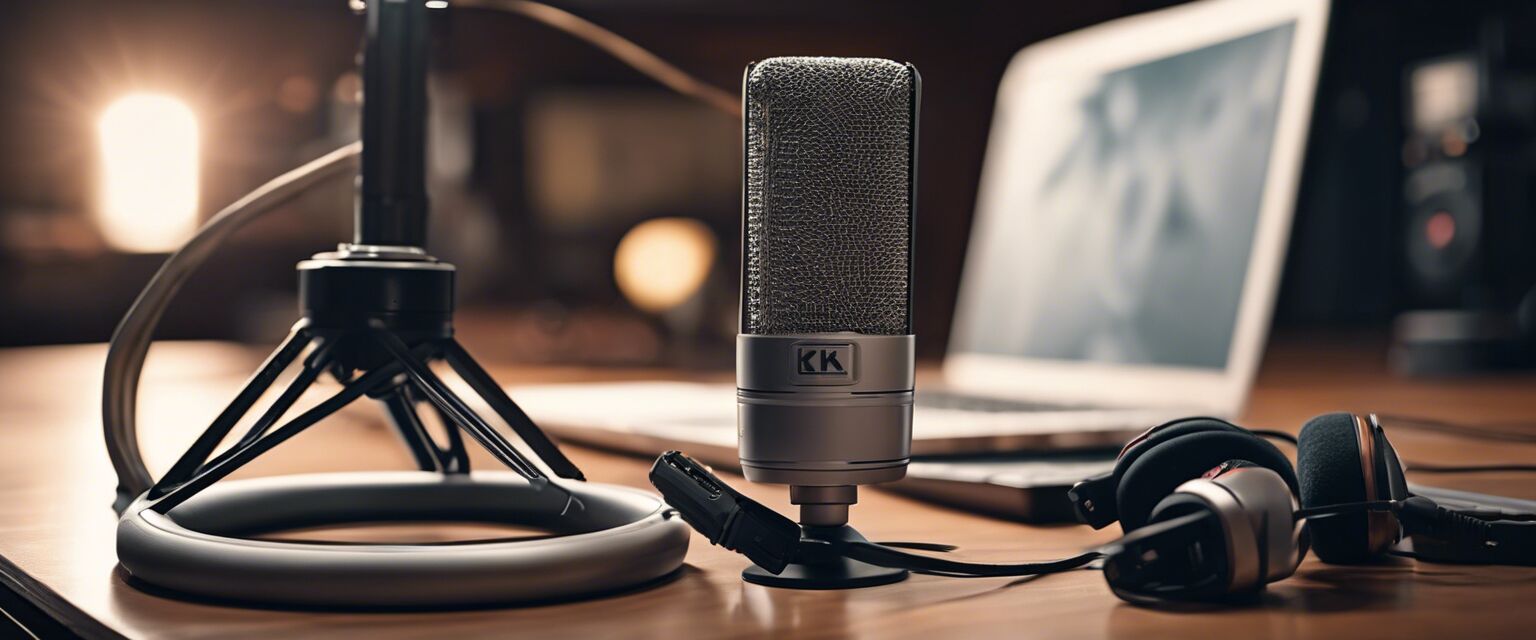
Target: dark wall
x=235, y=59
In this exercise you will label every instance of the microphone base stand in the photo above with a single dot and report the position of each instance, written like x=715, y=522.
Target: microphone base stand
x=827, y=571
x=824, y=516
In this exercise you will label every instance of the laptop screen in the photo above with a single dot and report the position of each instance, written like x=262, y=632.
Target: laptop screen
x=1123, y=228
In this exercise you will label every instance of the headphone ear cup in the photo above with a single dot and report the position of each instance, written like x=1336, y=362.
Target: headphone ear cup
x=1328, y=461
x=1191, y=563
x=1257, y=511
x=1245, y=538
x=1271, y=509
x=1157, y=472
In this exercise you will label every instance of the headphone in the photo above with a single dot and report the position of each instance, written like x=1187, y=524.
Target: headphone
x=1211, y=511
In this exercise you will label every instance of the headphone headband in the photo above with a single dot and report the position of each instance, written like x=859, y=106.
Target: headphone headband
x=1093, y=499
x=1153, y=464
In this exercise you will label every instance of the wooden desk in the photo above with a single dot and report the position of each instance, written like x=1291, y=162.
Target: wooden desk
x=56, y=528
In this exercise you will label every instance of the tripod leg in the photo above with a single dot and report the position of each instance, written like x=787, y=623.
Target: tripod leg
x=239, y=457
x=521, y=424
x=190, y=461
x=313, y=366
x=445, y=399
x=402, y=412
x=458, y=457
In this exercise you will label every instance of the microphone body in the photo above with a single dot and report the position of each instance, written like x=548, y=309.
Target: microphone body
x=824, y=360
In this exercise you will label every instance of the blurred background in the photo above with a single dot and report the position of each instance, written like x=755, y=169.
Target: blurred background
x=594, y=215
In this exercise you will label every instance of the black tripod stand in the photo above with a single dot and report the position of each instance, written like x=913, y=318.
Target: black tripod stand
x=380, y=310
x=366, y=341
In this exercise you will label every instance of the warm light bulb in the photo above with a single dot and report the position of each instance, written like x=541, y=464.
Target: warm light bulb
x=661, y=263
x=149, y=156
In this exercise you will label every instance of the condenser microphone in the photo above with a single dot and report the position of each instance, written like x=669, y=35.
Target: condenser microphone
x=825, y=355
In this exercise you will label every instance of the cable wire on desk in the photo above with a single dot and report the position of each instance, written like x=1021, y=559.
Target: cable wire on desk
x=130, y=342
x=1504, y=431
x=1427, y=467
x=1421, y=467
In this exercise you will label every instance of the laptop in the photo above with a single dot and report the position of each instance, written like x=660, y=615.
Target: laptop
x=1134, y=209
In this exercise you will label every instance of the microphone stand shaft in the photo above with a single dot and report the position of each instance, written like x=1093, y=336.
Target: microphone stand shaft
x=392, y=193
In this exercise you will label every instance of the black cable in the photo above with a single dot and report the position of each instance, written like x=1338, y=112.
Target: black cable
x=920, y=546
x=1441, y=427
x=1495, y=431
x=1494, y=514
x=888, y=557
x=1275, y=435
x=1502, y=431
x=625, y=50
x=1419, y=467
x=1345, y=508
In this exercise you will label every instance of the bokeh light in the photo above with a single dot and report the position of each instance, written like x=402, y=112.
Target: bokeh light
x=149, y=173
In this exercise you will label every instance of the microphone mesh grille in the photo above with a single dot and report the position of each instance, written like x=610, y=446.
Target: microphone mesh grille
x=828, y=211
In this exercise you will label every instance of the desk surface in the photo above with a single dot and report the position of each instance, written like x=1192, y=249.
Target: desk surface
x=56, y=527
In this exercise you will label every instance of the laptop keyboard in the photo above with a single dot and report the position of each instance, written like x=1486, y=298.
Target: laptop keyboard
x=963, y=402
x=943, y=422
